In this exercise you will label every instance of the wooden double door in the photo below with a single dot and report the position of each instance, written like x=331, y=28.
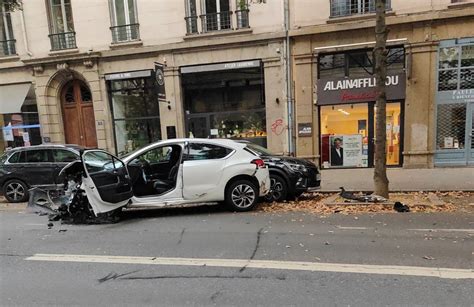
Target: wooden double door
x=78, y=114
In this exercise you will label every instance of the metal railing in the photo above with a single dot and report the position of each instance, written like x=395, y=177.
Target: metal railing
x=60, y=41
x=242, y=17
x=340, y=8
x=191, y=24
x=125, y=33
x=7, y=47
x=216, y=21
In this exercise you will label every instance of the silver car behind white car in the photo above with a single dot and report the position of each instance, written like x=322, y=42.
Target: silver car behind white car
x=174, y=173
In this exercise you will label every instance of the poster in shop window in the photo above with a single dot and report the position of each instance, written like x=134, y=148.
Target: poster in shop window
x=346, y=150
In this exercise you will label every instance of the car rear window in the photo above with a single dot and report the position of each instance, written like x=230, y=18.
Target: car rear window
x=37, y=156
x=3, y=158
x=202, y=151
x=16, y=157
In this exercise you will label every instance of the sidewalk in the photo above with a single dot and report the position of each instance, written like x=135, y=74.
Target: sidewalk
x=435, y=179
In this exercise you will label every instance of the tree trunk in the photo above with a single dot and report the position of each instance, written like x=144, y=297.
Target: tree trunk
x=380, y=55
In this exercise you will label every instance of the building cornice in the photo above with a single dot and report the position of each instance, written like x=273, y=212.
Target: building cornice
x=355, y=23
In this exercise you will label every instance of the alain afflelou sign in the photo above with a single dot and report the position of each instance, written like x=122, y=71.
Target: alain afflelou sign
x=351, y=90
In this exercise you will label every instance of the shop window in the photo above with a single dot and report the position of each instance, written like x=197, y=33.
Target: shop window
x=451, y=126
x=136, y=113
x=345, y=136
x=360, y=64
x=332, y=65
x=124, y=20
x=393, y=131
x=395, y=59
x=7, y=40
x=226, y=104
x=61, y=25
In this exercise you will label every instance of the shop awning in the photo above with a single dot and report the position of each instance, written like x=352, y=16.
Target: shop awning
x=12, y=97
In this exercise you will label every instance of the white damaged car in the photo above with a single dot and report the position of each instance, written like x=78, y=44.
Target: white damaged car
x=171, y=173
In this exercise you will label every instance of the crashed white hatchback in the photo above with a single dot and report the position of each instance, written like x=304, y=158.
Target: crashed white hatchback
x=174, y=173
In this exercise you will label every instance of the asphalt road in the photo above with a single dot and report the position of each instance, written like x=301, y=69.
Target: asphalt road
x=205, y=256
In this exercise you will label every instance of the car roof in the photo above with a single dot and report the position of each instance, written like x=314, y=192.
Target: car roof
x=48, y=146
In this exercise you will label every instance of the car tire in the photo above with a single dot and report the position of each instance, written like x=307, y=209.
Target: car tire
x=278, y=189
x=241, y=195
x=15, y=191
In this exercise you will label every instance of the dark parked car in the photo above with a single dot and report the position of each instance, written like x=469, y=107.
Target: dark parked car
x=27, y=167
x=290, y=177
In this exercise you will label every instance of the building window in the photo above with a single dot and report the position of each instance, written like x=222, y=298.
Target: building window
x=7, y=41
x=216, y=15
x=341, y=8
x=61, y=25
x=136, y=113
x=242, y=14
x=191, y=17
x=124, y=20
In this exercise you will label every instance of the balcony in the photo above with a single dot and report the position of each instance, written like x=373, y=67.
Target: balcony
x=125, y=33
x=216, y=21
x=7, y=47
x=61, y=41
x=342, y=8
x=242, y=17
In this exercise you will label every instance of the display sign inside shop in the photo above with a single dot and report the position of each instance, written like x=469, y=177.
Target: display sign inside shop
x=349, y=90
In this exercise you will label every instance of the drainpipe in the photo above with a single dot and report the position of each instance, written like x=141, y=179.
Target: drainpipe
x=23, y=25
x=289, y=91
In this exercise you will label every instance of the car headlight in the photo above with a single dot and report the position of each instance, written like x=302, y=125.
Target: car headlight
x=295, y=167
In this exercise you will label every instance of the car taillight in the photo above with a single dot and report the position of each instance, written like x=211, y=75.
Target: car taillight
x=259, y=163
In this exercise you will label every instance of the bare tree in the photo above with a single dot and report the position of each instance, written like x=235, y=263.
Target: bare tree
x=380, y=54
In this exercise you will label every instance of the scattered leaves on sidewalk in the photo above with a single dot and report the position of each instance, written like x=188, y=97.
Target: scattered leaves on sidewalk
x=427, y=202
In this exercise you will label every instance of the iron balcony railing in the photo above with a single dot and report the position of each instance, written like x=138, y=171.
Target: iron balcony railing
x=340, y=8
x=125, y=33
x=7, y=47
x=65, y=40
x=216, y=21
x=191, y=24
x=242, y=17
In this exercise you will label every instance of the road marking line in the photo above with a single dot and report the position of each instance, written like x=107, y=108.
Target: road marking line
x=448, y=273
x=351, y=228
x=444, y=230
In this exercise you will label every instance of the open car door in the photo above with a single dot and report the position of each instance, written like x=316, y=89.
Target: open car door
x=106, y=181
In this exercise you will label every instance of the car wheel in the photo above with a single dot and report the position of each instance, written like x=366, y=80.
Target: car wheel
x=15, y=191
x=241, y=195
x=278, y=189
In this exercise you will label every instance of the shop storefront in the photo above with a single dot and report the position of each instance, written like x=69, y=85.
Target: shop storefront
x=134, y=103
x=225, y=100
x=346, y=103
x=19, y=120
x=455, y=103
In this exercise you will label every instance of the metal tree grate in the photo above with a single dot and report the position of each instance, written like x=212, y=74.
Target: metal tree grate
x=451, y=128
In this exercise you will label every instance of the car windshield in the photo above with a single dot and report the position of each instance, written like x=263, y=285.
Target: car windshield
x=261, y=151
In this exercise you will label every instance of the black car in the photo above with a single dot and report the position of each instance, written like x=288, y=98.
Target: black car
x=27, y=167
x=290, y=177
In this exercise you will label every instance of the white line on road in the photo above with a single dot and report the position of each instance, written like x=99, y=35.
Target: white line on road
x=448, y=273
x=444, y=230
x=351, y=228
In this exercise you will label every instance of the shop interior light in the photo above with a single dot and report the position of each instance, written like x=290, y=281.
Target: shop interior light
x=344, y=112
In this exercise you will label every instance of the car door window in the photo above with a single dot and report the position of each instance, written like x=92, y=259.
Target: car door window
x=37, y=156
x=203, y=151
x=62, y=155
x=99, y=161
